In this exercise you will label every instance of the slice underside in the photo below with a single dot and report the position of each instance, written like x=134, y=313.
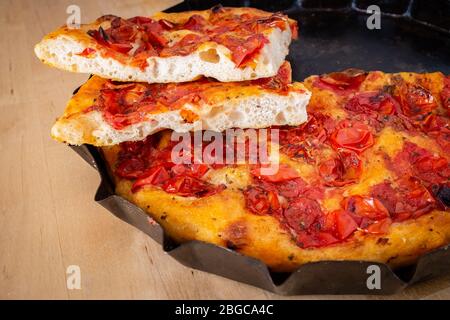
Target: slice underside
x=228, y=44
x=104, y=112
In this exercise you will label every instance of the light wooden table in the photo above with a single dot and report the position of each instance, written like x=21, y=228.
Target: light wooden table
x=49, y=219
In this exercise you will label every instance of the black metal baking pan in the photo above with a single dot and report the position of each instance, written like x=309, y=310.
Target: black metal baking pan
x=414, y=36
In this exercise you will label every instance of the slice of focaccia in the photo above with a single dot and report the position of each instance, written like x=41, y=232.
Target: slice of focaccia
x=228, y=44
x=104, y=112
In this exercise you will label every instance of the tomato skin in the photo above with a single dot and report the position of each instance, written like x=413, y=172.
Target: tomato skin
x=142, y=162
x=88, y=52
x=303, y=214
x=280, y=82
x=345, y=225
x=194, y=23
x=341, y=83
x=283, y=173
x=409, y=200
x=353, y=136
x=366, y=207
x=257, y=201
x=166, y=25
x=131, y=168
x=300, y=142
x=418, y=162
x=379, y=227
x=188, y=186
x=154, y=176
x=316, y=240
x=184, y=47
x=342, y=170
x=416, y=100
x=243, y=50
x=121, y=47
x=372, y=102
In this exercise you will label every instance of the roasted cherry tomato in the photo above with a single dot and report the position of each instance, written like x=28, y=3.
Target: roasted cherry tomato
x=409, y=200
x=131, y=168
x=352, y=135
x=303, y=214
x=341, y=170
x=257, y=200
x=341, y=82
x=341, y=224
x=154, y=176
x=372, y=102
x=188, y=186
x=366, y=207
x=416, y=100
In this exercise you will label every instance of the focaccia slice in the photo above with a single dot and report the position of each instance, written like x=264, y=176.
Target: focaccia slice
x=104, y=112
x=228, y=44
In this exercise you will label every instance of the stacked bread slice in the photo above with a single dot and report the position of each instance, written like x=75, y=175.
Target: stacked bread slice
x=214, y=69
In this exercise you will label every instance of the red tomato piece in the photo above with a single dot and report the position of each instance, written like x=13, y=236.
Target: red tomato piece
x=341, y=171
x=167, y=25
x=416, y=100
x=345, y=225
x=315, y=240
x=419, y=162
x=190, y=187
x=352, y=136
x=121, y=47
x=379, y=227
x=283, y=173
x=366, y=207
x=341, y=82
x=280, y=81
x=140, y=20
x=303, y=214
x=154, y=176
x=242, y=50
x=188, y=44
x=256, y=200
x=122, y=32
x=195, y=23
x=409, y=200
x=367, y=102
x=154, y=32
x=87, y=52
x=131, y=168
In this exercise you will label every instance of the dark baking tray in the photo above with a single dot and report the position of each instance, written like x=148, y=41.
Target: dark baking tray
x=414, y=36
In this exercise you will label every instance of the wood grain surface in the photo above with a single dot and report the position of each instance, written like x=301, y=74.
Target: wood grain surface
x=49, y=219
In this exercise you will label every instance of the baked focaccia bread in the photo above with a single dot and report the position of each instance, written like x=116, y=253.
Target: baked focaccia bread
x=104, y=112
x=366, y=178
x=228, y=44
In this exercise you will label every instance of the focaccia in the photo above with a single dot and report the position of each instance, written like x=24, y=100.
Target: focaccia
x=366, y=178
x=104, y=112
x=228, y=44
